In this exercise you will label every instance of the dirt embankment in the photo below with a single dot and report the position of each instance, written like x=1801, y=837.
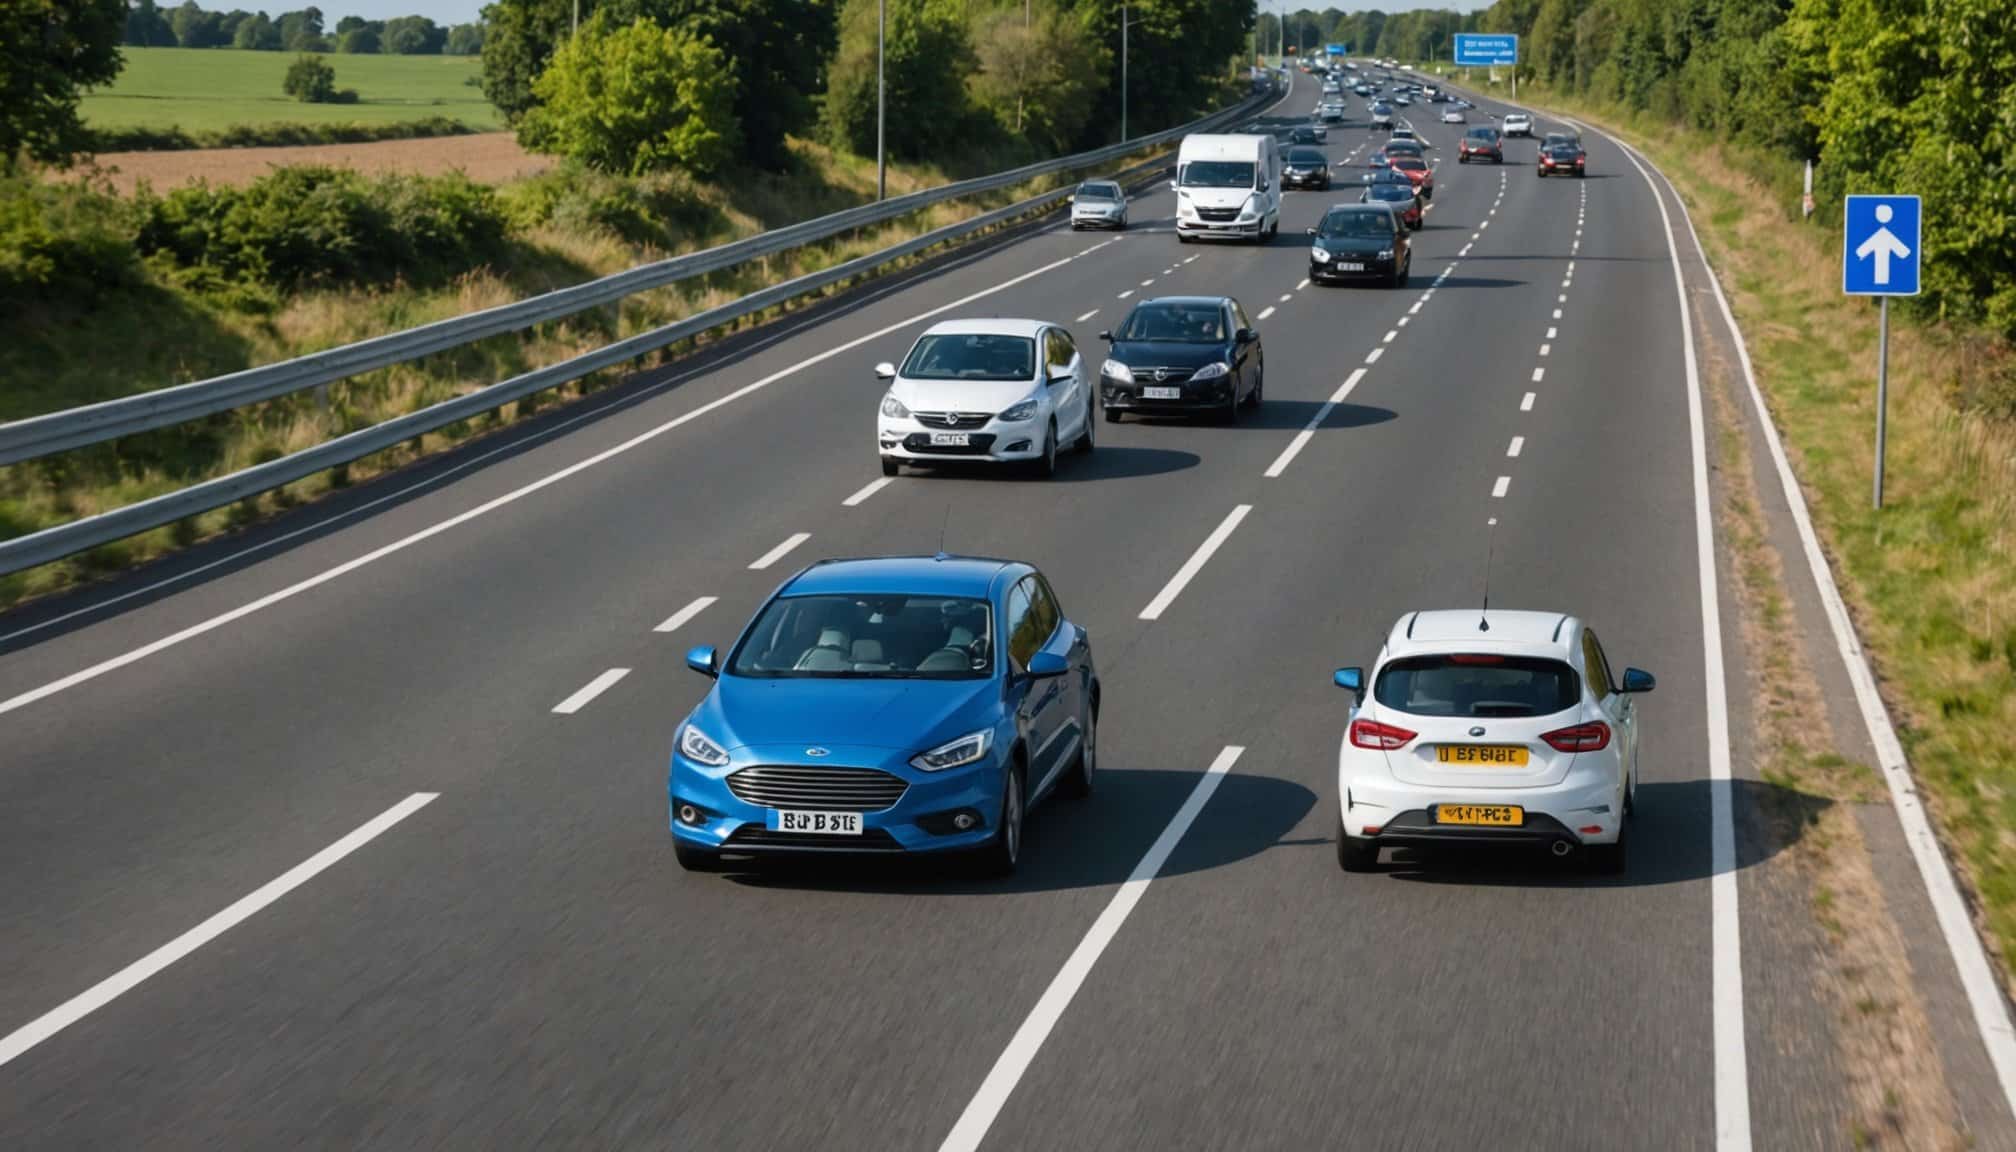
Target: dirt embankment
x=489, y=158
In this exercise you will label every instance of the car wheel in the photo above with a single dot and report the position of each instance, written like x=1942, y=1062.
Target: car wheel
x=1113, y=415
x=1046, y=464
x=1355, y=855
x=1609, y=859
x=1182, y=239
x=1078, y=784
x=1259, y=383
x=1540, y=173
x=694, y=859
x=1463, y=159
x=1084, y=445
x=1580, y=174
x=1004, y=851
x=891, y=466
x=1229, y=414
x=1631, y=793
x=1077, y=227
x=1498, y=159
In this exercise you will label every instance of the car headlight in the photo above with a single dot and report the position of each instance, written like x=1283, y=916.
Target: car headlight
x=1016, y=413
x=1211, y=371
x=1117, y=371
x=955, y=753
x=1319, y=254
x=694, y=745
x=893, y=408
x=1252, y=206
x=1386, y=255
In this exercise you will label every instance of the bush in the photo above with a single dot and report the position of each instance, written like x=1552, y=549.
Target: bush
x=275, y=135
x=62, y=242
x=657, y=210
x=635, y=99
x=310, y=80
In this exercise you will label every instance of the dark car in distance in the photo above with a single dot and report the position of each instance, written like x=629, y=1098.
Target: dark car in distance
x=1183, y=355
x=1481, y=143
x=1305, y=168
x=1561, y=153
x=1308, y=134
x=1396, y=192
x=1357, y=241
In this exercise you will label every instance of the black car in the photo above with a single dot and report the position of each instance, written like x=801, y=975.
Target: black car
x=1561, y=153
x=1360, y=240
x=1308, y=134
x=1183, y=355
x=1305, y=168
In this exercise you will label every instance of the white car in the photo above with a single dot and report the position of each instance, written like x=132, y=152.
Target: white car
x=1518, y=124
x=1099, y=204
x=1515, y=733
x=1000, y=391
x=1453, y=116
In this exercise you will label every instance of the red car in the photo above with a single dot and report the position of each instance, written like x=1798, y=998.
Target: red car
x=1417, y=171
x=1561, y=154
x=1483, y=143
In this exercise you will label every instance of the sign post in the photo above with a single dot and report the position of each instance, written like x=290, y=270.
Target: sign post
x=1881, y=254
x=1473, y=50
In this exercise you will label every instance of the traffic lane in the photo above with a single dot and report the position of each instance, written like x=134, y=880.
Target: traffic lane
x=1319, y=975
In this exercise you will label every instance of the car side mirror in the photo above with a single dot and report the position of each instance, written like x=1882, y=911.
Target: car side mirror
x=1107, y=336
x=1172, y=184
x=1639, y=680
x=1045, y=665
x=885, y=371
x=702, y=660
x=1311, y=230
x=1247, y=336
x=1351, y=679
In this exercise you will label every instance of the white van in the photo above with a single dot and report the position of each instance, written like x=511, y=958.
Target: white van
x=1228, y=186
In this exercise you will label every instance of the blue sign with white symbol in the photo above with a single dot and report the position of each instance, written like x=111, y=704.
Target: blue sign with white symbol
x=1334, y=49
x=1484, y=51
x=1880, y=246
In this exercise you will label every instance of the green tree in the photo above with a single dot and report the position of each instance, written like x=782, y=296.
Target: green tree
x=301, y=31
x=195, y=28
x=360, y=41
x=146, y=27
x=635, y=98
x=310, y=80
x=49, y=51
x=413, y=36
x=464, y=40
x=927, y=61
x=259, y=32
x=1038, y=79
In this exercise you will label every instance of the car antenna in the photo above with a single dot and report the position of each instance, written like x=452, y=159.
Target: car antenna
x=1490, y=541
x=942, y=521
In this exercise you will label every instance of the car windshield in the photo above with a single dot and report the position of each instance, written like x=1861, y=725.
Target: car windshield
x=1306, y=156
x=1199, y=323
x=889, y=636
x=1481, y=133
x=1368, y=225
x=1559, y=141
x=972, y=356
x=1096, y=192
x=1389, y=193
x=1477, y=685
x=1380, y=109
x=1402, y=148
x=1217, y=174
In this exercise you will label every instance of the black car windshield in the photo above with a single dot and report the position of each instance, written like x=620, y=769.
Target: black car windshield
x=1217, y=174
x=1097, y=192
x=1556, y=140
x=890, y=636
x=1301, y=156
x=1381, y=109
x=1477, y=685
x=1389, y=193
x=1346, y=224
x=1202, y=322
x=972, y=356
x=1482, y=133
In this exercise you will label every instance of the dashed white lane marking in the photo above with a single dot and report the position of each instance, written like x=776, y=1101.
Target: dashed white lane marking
x=1564, y=299
x=1498, y=489
x=1302, y=285
x=872, y=487
x=1285, y=297
x=1545, y=349
x=1551, y=332
x=1416, y=307
x=780, y=551
x=971, y=1129
x=1086, y=316
x=1463, y=251
x=1567, y=282
x=1473, y=236
x=1195, y=564
x=154, y=963
x=1390, y=334
x=1308, y=431
x=1483, y=225
x=590, y=691
x=1538, y=374
x=1526, y=402
x=1518, y=444
x=1127, y=293
x=1266, y=312
x=685, y=615
x=1372, y=357
x=1147, y=282
x=1571, y=267
x=1402, y=322
x=1557, y=313
x=1186, y=261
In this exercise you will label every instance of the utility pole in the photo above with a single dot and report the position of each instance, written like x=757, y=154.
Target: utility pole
x=577, y=17
x=881, y=99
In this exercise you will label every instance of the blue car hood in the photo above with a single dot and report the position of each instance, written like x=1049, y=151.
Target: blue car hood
x=897, y=714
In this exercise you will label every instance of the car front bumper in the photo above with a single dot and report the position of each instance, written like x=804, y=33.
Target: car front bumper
x=920, y=821
x=1370, y=268
x=996, y=441
x=1097, y=219
x=1197, y=395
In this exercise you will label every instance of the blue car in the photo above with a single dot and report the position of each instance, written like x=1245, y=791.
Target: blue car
x=903, y=704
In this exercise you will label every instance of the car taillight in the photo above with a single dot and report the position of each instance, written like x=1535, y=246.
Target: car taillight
x=1593, y=737
x=1379, y=737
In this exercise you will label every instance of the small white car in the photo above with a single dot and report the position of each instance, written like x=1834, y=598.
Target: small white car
x=997, y=391
x=1518, y=124
x=1495, y=726
x=1099, y=204
x=1452, y=116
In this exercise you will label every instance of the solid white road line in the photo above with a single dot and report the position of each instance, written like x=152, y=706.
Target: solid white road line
x=1372, y=357
x=126, y=979
x=1518, y=444
x=684, y=615
x=872, y=487
x=1498, y=489
x=1977, y=976
x=780, y=551
x=1195, y=564
x=1265, y=312
x=1526, y=402
x=973, y=1123
x=136, y=655
x=1308, y=431
x=590, y=691
x=1086, y=316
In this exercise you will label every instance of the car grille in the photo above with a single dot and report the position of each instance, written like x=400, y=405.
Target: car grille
x=753, y=836
x=833, y=789
x=1218, y=215
x=953, y=419
x=979, y=445
x=1162, y=375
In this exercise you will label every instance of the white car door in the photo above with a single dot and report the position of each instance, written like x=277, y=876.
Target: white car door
x=1620, y=710
x=1067, y=395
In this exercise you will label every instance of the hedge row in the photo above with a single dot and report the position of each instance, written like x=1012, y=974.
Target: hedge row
x=279, y=135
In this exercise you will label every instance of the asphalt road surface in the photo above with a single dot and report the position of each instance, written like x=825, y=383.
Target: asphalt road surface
x=383, y=894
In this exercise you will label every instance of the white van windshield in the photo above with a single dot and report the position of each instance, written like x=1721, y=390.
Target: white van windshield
x=1217, y=174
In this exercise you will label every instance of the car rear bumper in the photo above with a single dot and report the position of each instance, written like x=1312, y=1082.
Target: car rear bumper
x=1404, y=812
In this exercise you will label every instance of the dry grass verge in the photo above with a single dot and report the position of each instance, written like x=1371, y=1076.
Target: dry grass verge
x=489, y=158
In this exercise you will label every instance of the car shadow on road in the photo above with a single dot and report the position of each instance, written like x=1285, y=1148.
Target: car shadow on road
x=1280, y=416
x=1107, y=462
x=1091, y=843
x=1669, y=842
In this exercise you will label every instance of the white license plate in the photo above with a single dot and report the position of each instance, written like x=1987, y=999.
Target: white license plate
x=817, y=823
x=951, y=439
x=1161, y=393
x=1349, y=267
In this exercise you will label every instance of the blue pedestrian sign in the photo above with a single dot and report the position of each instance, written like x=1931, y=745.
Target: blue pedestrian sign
x=1473, y=50
x=1881, y=246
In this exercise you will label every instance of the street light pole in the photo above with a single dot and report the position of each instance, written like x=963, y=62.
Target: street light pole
x=881, y=100
x=1124, y=25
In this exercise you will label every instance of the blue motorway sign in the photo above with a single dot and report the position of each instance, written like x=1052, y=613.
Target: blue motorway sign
x=1334, y=49
x=1483, y=51
x=1880, y=246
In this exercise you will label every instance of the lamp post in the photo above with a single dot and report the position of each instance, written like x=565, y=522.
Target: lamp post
x=881, y=100
x=1125, y=24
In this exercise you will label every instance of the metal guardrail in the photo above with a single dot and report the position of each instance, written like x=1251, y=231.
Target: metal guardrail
x=52, y=544
x=56, y=432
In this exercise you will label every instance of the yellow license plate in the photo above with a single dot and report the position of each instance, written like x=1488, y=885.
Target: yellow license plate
x=1493, y=815
x=1483, y=755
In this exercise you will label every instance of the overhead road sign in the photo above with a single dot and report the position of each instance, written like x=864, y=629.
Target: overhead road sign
x=1880, y=246
x=1334, y=49
x=1476, y=50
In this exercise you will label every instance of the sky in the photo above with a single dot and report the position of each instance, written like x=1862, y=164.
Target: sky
x=445, y=12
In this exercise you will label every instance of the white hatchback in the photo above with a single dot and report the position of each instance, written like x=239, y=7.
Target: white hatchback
x=1500, y=727
x=1453, y=116
x=1518, y=124
x=986, y=390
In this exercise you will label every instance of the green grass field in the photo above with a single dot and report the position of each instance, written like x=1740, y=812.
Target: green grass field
x=208, y=89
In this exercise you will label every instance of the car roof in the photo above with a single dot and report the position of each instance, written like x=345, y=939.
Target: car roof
x=1183, y=300
x=1456, y=630
x=940, y=575
x=991, y=326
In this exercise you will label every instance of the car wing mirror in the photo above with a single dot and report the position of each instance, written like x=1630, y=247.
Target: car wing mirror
x=885, y=371
x=1247, y=336
x=703, y=660
x=1350, y=679
x=1045, y=665
x=1639, y=680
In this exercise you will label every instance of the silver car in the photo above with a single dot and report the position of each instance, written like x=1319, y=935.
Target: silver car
x=1098, y=204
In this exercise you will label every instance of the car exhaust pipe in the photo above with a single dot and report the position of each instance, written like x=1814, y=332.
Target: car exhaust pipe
x=1562, y=847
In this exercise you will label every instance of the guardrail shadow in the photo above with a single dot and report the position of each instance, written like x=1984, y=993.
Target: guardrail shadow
x=1092, y=843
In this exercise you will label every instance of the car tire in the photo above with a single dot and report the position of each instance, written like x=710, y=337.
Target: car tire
x=1259, y=384
x=1355, y=855
x=1539, y=173
x=1078, y=784
x=1498, y=159
x=1463, y=159
x=1046, y=464
x=1001, y=854
x=1113, y=415
x=891, y=466
x=1581, y=175
x=1083, y=446
x=694, y=859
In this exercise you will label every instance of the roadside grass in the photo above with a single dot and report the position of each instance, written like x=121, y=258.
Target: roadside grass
x=210, y=89
x=1930, y=579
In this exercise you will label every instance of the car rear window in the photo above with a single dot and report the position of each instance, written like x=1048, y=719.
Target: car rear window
x=1306, y=156
x=1481, y=133
x=1480, y=685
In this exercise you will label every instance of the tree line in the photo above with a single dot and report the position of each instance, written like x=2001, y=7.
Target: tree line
x=1422, y=34
x=191, y=26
